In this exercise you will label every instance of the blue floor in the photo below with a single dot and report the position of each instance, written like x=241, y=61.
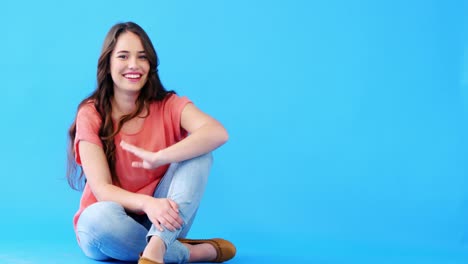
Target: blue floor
x=260, y=251
x=41, y=232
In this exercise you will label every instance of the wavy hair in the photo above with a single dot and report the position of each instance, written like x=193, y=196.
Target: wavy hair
x=153, y=90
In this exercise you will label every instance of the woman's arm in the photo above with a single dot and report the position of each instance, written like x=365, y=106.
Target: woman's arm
x=205, y=135
x=98, y=177
x=94, y=163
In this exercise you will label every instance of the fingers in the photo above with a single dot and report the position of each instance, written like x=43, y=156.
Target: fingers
x=162, y=222
x=127, y=146
x=173, y=217
x=168, y=222
x=176, y=220
x=157, y=225
x=142, y=164
x=171, y=224
x=174, y=205
x=168, y=216
x=132, y=149
x=137, y=164
x=175, y=212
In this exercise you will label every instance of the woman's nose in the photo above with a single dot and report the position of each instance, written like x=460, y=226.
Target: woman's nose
x=132, y=63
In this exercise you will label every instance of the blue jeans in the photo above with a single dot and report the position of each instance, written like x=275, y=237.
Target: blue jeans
x=106, y=231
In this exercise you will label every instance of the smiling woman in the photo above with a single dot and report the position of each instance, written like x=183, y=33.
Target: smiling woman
x=144, y=155
x=129, y=64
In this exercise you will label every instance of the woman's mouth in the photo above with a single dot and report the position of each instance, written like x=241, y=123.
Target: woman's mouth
x=133, y=77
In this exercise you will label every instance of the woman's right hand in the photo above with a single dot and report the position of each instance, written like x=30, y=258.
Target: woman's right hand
x=163, y=212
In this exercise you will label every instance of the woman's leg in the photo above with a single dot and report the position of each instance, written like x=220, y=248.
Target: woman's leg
x=106, y=231
x=184, y=183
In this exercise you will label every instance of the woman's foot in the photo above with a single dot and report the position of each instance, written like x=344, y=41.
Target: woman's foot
x=209, y=250
x=155, y=250
x=204, y=252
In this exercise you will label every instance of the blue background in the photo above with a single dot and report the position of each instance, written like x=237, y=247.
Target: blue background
x=347, y=121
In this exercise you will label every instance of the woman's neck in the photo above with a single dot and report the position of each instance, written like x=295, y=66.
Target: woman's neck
x=123, y=103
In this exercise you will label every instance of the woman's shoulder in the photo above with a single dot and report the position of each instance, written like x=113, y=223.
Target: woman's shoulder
x=169, y=100
x=88, y=108
x=170, y=97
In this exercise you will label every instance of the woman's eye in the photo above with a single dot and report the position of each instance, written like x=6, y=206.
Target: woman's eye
x=143, y=57
x=122, y=56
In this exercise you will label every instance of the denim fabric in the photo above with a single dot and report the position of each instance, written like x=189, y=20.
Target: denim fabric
x=107, y=231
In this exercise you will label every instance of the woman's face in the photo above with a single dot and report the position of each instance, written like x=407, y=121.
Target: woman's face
x=129, y=65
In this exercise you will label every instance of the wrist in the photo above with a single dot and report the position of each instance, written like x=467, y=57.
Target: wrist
x=161, y=157
x=144, y=201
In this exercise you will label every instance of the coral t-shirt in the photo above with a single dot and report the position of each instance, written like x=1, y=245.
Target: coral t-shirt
x=160, y=129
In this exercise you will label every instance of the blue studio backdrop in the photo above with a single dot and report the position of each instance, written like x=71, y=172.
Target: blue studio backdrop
x=347, y=122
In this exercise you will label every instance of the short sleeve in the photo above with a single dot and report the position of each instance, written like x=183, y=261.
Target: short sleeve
x=88, y=123
x=173, y=107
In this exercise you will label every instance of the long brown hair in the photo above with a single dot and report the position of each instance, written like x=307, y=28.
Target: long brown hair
x=153, y=90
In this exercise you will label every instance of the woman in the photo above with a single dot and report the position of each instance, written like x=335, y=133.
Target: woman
x=146, y=155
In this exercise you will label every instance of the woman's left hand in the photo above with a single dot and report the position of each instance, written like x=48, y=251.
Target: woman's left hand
x=149, y=160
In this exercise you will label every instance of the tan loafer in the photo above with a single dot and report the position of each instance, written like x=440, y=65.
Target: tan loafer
x=143, y=260
x=225, y=250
